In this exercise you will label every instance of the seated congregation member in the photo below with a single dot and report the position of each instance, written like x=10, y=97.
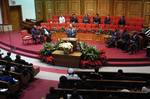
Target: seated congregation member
x=96, y=74
x=71, y=74
x=1, y=55
x=74, y=19
x=107, y=20
x=96, y=19
x=8, y=78
x=146, y=88
x=120, y=75
x=61, y=19
x=76, y=95
x=122, y=21
x=35, y=33
x=71, y=31
x=86, y=19
x=8, y=57
x=21, y=61
x=52, y=94
x=62, y=82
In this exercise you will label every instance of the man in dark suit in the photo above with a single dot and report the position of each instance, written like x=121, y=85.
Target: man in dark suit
x=73, y=19
x=122, y=21
x=96, y=19
x=107, y=20
x=35, y=33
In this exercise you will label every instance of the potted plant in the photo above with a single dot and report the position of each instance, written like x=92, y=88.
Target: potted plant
x=90, y=55
x=47, y=51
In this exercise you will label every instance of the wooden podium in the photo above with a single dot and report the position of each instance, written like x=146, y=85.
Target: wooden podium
x=70, y=60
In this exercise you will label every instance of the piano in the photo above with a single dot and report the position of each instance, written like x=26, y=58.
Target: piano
x=29, y=23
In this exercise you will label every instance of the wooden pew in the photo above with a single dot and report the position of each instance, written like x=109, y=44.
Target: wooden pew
x=103, y=84
x=12, y=91
x=35, y=70
x=105, y=94
x=111, y=75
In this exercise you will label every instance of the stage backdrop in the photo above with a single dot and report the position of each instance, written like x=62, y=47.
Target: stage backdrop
x=45, y=9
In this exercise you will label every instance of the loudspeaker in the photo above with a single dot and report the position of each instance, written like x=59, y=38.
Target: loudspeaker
x=148, y=51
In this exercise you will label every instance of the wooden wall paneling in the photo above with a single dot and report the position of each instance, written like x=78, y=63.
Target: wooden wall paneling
x=15, y=17
x=74, y=7
x=39, y=9
x=104, y=7
x=146, y=13
x=49, y=9
x=134, y=8
x=61, y=7
x=90, y=7
x=120, y=7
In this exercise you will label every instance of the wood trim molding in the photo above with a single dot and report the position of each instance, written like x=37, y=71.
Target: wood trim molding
x=5, y=11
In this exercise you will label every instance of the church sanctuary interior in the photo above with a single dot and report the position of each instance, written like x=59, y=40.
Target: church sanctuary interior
x=74, y=49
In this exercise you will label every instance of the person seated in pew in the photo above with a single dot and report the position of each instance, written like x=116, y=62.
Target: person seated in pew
x=52, y=94
x=21, y=61
x=62, y=82
x=120, y=75
x=8, y=78
x=1, y=55
x=96, y=74
x=71, y=74
x=75, y=95
x=146, y=88
x=8, y=57
x=23, y=69
x=71, y=31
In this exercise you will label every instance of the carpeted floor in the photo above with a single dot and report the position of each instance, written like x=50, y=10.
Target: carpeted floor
x=14, y=39
x=38, y=89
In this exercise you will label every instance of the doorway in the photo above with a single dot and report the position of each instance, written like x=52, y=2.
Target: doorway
x=16, y=17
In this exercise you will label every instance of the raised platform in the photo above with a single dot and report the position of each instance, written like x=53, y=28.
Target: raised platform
x=11, y=41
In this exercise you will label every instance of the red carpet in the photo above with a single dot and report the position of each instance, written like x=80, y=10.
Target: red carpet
x=53, y=70
x=38, y=89
x=13, y=39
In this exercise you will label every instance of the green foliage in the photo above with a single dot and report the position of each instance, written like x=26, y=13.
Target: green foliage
x=48, y=49
x=89, y=52
x=62, y=29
